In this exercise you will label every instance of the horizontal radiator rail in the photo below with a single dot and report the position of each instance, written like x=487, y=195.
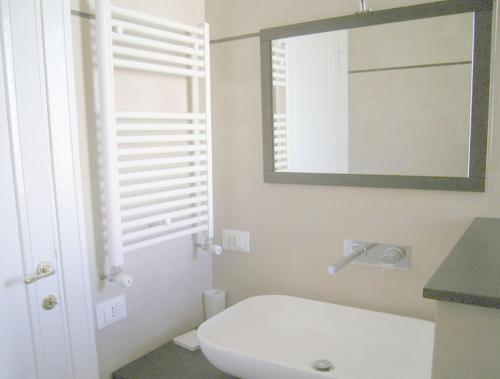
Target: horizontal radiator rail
x=154, y=44
x=142, y=162
x=147, y=31
x=278, y=75
x=163, y=206
x=131, y=151
x=147, y=220
x=137, y=200
x=151, y=67
x=280, y=149
x=151, y=186
x=159, y=116
x=160, y=127
x=154, y=21
x=168, y=237
x=150, y=174
x=164, y=58
x=165, y=227
x=162, y=138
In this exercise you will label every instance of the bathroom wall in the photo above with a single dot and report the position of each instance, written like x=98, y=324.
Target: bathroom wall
x=296, y=230
x=471, y=353
x=416, y=121
x=166, y=297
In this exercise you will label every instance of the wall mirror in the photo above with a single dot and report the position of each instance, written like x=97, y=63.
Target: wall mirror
x=395, y=98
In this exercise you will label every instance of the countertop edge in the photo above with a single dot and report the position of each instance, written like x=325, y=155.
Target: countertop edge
x=461, y=298
x=475, y=255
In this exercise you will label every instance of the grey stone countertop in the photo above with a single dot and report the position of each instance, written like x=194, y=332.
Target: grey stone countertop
x=471, y=272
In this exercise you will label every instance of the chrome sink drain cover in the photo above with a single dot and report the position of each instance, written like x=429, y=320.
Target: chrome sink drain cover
x=323, y=365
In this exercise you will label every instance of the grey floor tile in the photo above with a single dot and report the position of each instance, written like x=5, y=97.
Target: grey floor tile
x=171, y=362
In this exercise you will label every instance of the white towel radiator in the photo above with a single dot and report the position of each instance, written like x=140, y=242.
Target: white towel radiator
x=280, y=133
x=157, y=166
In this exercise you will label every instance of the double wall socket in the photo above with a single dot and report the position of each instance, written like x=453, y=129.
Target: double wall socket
x=236, y=240
x=111, y=311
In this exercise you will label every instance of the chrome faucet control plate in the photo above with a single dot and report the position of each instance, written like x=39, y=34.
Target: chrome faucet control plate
x=380, y=254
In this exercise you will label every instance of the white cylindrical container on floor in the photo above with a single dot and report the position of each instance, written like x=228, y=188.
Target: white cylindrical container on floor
x=215, y=302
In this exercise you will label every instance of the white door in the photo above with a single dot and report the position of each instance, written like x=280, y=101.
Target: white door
x=40, y=200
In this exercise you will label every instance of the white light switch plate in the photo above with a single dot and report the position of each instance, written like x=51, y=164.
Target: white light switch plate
x=111, y=311
x=236, y=240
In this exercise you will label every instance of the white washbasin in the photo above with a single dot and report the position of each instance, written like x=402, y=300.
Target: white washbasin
x=279, y=337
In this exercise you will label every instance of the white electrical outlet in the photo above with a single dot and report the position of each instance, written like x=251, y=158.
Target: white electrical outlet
x=111, y=311
x=236, y=240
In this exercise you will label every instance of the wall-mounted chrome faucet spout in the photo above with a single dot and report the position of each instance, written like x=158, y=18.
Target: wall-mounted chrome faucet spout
x=373, y=254
x=357, y=250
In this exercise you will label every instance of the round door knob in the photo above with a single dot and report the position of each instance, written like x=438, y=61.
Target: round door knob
x=49, y=302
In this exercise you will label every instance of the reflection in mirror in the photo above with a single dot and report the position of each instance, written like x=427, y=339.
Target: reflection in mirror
x=389, y=99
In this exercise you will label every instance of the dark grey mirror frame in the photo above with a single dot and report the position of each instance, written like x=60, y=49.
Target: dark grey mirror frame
x=482, y=10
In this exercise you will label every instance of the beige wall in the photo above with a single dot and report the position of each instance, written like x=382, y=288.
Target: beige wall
x=297, y=231
x=410, y=122
x=166, y=297
x=415, y=121
x=467, y=342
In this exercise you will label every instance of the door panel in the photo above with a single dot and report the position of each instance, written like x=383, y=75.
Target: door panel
x=15, y=338
x=39, y=201
x=35, y=154
x=67, y=185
